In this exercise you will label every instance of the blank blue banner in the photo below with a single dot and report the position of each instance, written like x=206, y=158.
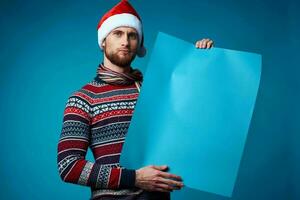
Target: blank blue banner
x=193, y=113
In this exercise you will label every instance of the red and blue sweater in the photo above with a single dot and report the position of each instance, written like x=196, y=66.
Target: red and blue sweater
x=97, y=116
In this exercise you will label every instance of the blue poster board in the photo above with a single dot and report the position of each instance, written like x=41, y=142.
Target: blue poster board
x=193, y=113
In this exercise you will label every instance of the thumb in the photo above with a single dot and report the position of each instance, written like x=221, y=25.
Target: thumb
x=161, y=168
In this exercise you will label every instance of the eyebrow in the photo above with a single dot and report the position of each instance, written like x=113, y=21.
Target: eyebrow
x=117, y=31
x=129, y=32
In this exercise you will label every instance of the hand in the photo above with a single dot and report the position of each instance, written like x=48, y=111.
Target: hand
x=204, y=44
x=152, y=178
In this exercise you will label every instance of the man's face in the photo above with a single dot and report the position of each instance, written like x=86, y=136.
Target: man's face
x=120, y=46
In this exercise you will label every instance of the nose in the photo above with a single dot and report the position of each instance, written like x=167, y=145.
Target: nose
x=125, y=40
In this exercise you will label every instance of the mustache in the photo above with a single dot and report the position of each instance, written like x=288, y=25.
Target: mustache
x=124, y=49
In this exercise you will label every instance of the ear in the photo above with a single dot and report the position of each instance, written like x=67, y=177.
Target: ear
x=103, y=43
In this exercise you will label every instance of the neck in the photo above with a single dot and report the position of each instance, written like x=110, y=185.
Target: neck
x=114, y=67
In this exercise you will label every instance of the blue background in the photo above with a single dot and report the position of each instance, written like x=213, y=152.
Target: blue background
x=49, y=49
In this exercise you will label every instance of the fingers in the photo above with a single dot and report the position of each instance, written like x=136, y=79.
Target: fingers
x=204, y=43
x=170, y=176
x=155, y=179
x=165, y=174
x=163, y=187
x=210, y=44
x=161, y=168
x=166, y=185
x=170, y=182
x=198, y=44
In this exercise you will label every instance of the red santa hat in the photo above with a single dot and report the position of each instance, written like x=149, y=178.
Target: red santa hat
x=123, y=14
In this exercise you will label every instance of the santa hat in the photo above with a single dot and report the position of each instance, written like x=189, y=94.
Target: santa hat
x=123, y=14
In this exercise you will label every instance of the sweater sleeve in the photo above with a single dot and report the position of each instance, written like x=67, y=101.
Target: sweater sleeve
x=72, y=148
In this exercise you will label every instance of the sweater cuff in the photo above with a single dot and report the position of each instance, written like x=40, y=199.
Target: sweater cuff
x=127, y=178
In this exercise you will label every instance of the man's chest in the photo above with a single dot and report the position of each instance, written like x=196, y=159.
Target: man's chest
x=113, y=106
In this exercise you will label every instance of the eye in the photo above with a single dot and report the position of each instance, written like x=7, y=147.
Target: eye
x=118, y=33
x=133, y=36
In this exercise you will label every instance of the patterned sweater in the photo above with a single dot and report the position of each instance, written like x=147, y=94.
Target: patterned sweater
x=98, y=116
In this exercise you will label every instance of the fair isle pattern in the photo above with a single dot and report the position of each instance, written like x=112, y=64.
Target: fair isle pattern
x=63, y=164
x=98, y=109
x=102, y=176
x=84, y=176
x=97, y=117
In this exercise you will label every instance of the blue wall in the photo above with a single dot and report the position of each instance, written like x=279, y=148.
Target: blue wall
x=49, y=49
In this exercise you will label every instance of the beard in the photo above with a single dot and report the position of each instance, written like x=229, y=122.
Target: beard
x=115, y=59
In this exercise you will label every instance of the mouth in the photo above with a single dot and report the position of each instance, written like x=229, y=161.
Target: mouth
x=124, y=51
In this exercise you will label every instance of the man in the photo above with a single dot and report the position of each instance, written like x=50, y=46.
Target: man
x=98, y=116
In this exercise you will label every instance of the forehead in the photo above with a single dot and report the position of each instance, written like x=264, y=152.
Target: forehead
x=125, y=29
